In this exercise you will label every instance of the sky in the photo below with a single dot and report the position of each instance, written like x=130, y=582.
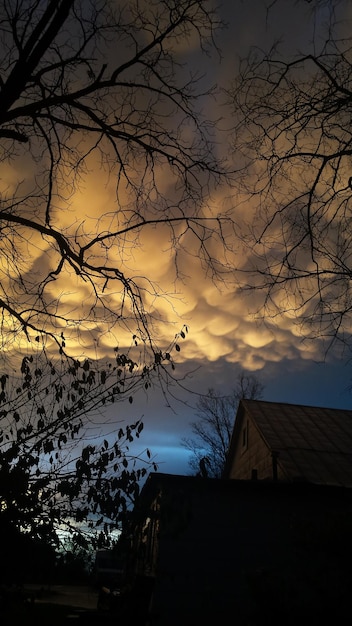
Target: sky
x=224, y=336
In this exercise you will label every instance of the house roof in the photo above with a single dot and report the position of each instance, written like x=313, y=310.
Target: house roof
x=158, y=482
x=313, y=443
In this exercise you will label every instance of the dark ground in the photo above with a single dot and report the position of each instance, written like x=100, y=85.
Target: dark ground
x=57, y=605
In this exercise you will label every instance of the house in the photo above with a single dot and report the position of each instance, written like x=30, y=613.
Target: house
x=277, y=441
x=262, y=552
x=270, y=543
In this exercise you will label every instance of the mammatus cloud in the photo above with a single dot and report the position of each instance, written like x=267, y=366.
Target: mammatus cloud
x=225, y=332
x=222, y=319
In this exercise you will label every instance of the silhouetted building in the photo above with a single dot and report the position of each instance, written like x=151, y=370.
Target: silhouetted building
x=270, y=544
x=272, y=440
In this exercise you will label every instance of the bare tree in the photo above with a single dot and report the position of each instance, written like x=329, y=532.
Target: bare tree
x=294, y=133
x=213, y=429
x=93, y=89
x=96, y=89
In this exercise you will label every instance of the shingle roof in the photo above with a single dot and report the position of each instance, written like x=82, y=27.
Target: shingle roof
x=314, y=443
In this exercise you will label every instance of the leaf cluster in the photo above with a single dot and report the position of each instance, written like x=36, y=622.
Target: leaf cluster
x=63, y=468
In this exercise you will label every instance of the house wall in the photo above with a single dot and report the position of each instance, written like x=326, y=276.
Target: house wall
x=264, y=553
x=251, y=453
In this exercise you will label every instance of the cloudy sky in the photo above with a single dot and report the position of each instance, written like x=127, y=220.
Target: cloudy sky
x=225, y=336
